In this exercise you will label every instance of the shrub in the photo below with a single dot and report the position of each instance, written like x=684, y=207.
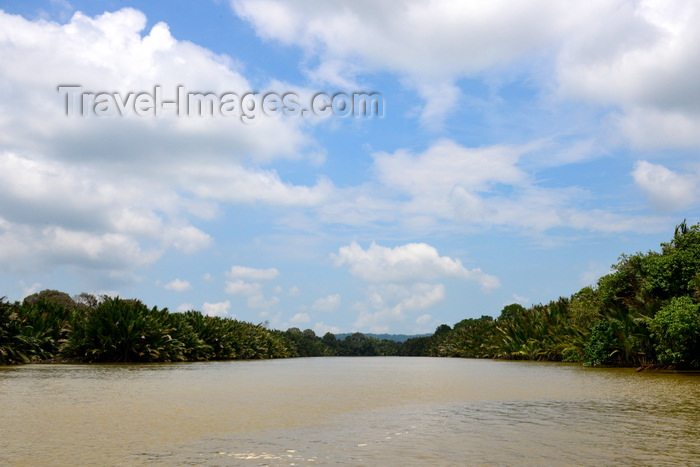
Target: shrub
x=195, y=349
x=18, y=342
x=123, y=331
x=54, y=297
x=47, y=322
x=603, y=344
x=676, y=332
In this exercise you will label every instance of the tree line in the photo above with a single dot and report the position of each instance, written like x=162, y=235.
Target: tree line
x=645, y=313
x=53, y=326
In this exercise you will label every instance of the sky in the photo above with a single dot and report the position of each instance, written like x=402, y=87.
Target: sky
x=517, y=149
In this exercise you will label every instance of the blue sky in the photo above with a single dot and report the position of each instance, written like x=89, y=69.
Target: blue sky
x=522, y=148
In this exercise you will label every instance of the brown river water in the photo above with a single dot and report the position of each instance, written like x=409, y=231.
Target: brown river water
x=375, y=411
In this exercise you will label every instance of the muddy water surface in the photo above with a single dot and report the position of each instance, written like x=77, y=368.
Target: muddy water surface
x=347, y=411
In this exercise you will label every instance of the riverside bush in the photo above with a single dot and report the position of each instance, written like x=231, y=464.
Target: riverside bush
x=676, y=332
x=120, y=330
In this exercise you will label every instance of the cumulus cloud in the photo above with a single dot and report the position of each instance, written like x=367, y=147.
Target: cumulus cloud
x=217, y=309
x=239, y=287
x=399, y=281
x=411, y=37
x=484, y=186
x=245, y=185
x=399, y=298
x=253, y=291
x=178, y=285
x=665, y=189
x=53, y=206
x=322, y=328
x=642, y=56
x=430, y=45
x=28, y=290
x=645, y=58
x=259, y=302
x=590, y=275
x=184, y=307
x=186, y=238
x=449, y=180
x=455, y=165
x=424, y=319
x=116, y=193
x=108, y=52
x=327, y=304
x=300, y=318
x=406, y=263
x=245, y=272
x=25, y=249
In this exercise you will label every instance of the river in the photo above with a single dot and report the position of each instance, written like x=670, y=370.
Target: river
x=383, y=411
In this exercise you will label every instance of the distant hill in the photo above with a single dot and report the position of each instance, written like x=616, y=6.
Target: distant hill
x=390, y=337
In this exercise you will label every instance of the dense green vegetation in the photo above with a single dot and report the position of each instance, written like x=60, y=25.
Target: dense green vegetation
x=52, y=326
x=646, y=312
x=385, y=336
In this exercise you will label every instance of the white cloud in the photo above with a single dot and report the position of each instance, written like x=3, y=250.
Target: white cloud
x=474, y=169
x=423, y=296
x=108, y=53
x=644, y=57
x=28, y=290
x=520, y=299
x=424, y=319
x=322, y=328
x=253, y=291
x=300, y=318
x=327, y=304
x=646, y=54
x=593, y=272
x=441, y=99
x=259, y=302
x=400, y=298
x=665, y=189
x=25, y=249
x=111, y=193
x=434, y=42
x=217, y=309
x=177, y=285
x=406, y=263
x=59, y=214
x=245, y=185
x=252, y=273
x=271, y=322
x=185, y=307
x=186, y=238
x=398, y=281
x=239, y=287
x=448, y=180
x=484, y=186
x=388, y=305
x=378, y=321
x=649, y=128
x=641, y=55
